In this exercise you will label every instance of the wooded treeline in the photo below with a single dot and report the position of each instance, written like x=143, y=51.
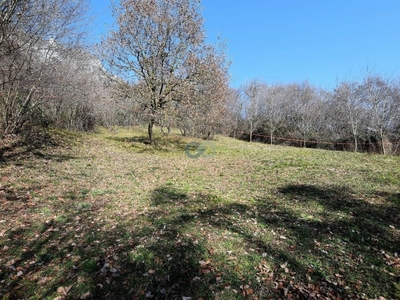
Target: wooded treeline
x=155, y=68
x=356, y=116
x=47, y=77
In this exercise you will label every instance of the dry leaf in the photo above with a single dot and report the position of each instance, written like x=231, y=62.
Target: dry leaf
x=86, y=296
x=249, y=292
x=43, y=280
x=64, y=290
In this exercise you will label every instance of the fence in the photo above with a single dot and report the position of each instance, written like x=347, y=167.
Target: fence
x=393, y=147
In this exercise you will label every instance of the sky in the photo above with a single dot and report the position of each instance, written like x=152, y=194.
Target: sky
x=291, y=41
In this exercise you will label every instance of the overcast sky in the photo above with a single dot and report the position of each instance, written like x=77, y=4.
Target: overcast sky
x=285, y=41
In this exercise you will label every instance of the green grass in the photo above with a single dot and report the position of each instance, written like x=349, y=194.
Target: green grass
x=106, y=216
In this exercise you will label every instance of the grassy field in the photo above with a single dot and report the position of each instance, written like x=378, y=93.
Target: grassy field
x=105, y=216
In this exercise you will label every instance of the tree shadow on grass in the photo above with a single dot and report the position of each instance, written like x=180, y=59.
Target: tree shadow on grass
x=189, y=212
x=162, y=253
x=67, y=256
x=354, y=219
x=135, y=139
x=79, y=254
x=19, y=153
x=345, y=251
x=355, y=239
x=162, y=144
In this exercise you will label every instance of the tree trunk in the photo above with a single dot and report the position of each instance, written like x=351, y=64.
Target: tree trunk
x=383, y=145
x=270, y=136
x=150, y=131
x=355, y=144
x=251, y=132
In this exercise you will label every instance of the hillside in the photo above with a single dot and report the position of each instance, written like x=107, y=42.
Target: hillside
x=105, y=216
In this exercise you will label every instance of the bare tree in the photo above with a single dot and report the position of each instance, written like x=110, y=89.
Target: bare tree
x=234, y=112
x=275, y=102
x=75, y=90
x=350, y=106
x=381, y=99
x=254, y=105
x=158, y=50
x=329, y=125
x=303, y=112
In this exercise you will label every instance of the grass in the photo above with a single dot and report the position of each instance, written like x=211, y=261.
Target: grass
x=106, y=216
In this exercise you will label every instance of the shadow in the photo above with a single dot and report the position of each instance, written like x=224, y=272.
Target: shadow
x=166, y=251
x=346, y=233
x=187, y=213
x=17, y=152
x=9, y=194
x=53, y=157
x=77, y=255
x=135, y=139
x=162, y=144
x=51, y=259
x=363, y=223
x=167, y=195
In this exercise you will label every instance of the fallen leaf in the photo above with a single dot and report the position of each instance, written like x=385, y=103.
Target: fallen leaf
x=10, y=263
x=64, y=290
x=43, y=280
x=3, y=232
x=249, y=292
x=86, y=296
